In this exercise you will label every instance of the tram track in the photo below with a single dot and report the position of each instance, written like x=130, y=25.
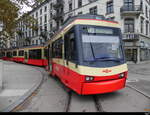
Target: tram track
x=98, y=104
x=93, y=101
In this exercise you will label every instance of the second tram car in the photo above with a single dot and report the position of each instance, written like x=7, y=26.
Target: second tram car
x=34, y=55
x=87, y=55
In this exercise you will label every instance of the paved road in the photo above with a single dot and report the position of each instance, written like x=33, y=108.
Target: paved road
x=51, y=96
x=54, y=98
x=18, y=81
x=139, y=77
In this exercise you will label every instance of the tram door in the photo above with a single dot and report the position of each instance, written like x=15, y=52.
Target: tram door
x=50, y=58
x=26, y=56
x=65, y=53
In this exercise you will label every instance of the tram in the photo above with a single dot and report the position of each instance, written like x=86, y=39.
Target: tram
x=15, y=55
x=32, y=55
x=9, y=55
x=87, y=55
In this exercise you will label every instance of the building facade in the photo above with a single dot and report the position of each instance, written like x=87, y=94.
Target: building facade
x=132, y=15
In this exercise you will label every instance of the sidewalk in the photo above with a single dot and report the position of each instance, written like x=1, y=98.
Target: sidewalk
x=19, y=81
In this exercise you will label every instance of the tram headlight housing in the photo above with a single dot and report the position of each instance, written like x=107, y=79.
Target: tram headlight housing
x=89, y=78
x=122, y=75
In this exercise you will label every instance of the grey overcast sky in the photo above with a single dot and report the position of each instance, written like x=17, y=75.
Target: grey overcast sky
x=25, y=9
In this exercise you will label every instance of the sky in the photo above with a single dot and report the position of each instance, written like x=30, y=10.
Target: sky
x=25, y=9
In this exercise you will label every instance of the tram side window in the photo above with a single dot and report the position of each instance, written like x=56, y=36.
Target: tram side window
x=9, y=54
x=3, y=53
x=70, y=46
x=21, y=53
x=35, y=54
x=57, y=48
x=46, y=53
x=26, y=55
x=14, y=53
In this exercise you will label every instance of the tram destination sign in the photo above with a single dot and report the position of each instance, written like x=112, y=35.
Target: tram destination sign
x=94, y=30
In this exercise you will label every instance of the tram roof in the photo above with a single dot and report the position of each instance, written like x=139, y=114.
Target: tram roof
x=87, y=16
x=32, y=46
x=25, y=47
x=82, y=17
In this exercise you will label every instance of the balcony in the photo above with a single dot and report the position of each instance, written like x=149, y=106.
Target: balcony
x=131, y=37
x=133, y=10
x=58, y=15
x=58, y=4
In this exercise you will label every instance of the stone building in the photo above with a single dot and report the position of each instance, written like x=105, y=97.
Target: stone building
x=132, y=15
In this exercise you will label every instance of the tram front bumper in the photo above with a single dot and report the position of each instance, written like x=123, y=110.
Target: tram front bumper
x=103, y=87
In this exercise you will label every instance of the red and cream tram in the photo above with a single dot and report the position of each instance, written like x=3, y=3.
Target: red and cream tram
x=87, y=55
x=33, y=55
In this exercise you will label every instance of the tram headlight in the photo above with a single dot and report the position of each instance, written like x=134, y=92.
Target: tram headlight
x=122, y=75
x=88, y=78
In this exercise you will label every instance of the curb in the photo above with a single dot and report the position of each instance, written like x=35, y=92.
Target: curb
x=25, y=96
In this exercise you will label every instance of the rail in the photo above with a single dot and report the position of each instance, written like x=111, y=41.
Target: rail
x=131, y=36
x=131, y=8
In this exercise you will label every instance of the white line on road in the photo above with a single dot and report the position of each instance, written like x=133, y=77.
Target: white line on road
x=132, y=80
x=13, y=92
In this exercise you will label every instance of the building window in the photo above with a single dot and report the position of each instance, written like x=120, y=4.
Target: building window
x=33, y=42
x=149, y=14
x=70, y=6
x=129, y=4
x=36, y=42
x=142, y=25
x=79, y=3
x=110, y=7
x=93, y=10
x=80, y=13
x=40, y=29
x=45, y=27
x=147, y=26
x=36, y=14
x=51, y=25
x=45, y=20
x=40, y=11
x=51, y=6
x=146, y=11
x=129, y=25
x=45, y=9
x=40, y=20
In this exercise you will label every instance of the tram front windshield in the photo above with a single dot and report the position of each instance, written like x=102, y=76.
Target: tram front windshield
x=101, y=44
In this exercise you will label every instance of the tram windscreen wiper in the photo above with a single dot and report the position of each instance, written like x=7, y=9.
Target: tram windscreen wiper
x=109, y=59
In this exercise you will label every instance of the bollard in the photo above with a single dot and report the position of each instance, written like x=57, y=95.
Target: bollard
x=1, y=75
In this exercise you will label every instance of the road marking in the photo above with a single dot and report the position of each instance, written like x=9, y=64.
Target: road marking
x=13, y=92
x=132, y=80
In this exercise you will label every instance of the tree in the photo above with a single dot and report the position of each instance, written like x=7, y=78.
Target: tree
x=9, y=13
